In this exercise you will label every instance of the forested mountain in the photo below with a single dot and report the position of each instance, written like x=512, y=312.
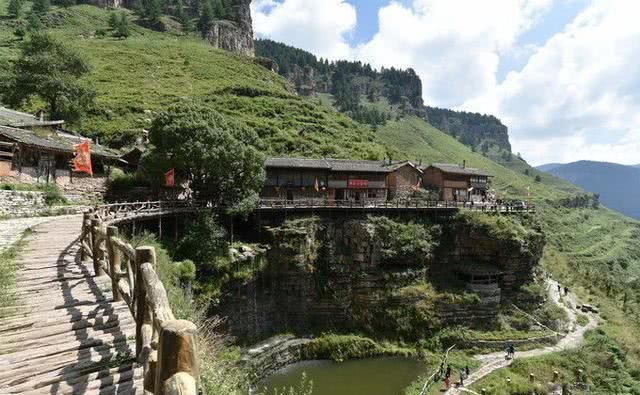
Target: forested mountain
x=352, y=83
x=618, y=185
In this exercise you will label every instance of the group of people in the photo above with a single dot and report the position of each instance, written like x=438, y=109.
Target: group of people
x=464, y=373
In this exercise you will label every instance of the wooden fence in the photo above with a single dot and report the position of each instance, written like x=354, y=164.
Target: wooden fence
x=166, y=347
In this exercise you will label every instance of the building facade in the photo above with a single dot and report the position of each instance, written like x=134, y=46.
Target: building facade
x=338, y=179
x=457, y=183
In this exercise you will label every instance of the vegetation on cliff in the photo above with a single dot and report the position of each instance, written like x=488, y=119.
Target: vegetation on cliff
x=401, y=243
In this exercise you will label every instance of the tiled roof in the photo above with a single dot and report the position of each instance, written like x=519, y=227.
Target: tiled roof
x=457, y=169
x=297, y=163
x=65, y=145
x=18, y=119
x=365, y=166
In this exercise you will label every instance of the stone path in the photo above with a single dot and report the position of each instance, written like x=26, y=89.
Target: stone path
x=494, y=361
x=65, y=335
x=11, y=229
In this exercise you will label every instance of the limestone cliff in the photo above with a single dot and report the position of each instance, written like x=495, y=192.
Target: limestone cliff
x=234, y=34
x=471, y=129
x=352, y=274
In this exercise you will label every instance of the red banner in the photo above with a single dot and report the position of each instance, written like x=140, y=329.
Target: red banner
x=82, y=159
x=169, y=178
x=357, y=184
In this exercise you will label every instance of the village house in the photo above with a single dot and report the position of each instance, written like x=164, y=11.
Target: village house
x=339, y=179
x=41, y=152
x=457, y=182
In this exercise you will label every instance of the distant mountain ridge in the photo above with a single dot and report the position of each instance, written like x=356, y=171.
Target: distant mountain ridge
x=618, y=185
x=350, y=82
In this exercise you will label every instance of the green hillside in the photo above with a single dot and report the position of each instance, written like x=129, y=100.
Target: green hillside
x=416, y=139
x=138, y=76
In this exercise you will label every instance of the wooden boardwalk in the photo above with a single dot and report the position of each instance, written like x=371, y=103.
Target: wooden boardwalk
x=65, y=334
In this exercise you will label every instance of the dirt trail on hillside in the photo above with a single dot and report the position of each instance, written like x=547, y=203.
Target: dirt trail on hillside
x=494, y=361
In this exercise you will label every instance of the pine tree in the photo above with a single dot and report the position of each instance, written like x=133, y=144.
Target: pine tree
x=15, y=7
x=182, y=16
x=152, y=10
x=34, y=24
x=219, y=11
x=204, y=23
x=122, y=30
x=40, y=6
x=113, y=21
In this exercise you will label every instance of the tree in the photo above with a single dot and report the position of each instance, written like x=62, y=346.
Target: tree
x=64, y=3
x=34, y=24
x=182, y=16
x=114, y=21
x=219, y=160
x=122, y=28
x=14, y=8
x=152, y=10
x=48, y=70
x=206, y=18
x=40, y=6
x=219, y=11
x=538, y=178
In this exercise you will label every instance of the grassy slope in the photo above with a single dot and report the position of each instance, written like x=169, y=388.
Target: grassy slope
x=141, y=75
x=419, y=140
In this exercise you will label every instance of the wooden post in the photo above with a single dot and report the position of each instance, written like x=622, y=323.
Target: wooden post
x=143, y=254
x=178, y=369
x=86, y=235
x=95, y=247
x=114, y=262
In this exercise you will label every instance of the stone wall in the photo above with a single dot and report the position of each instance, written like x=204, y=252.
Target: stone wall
x=331, y=274
x=79, y=188
x=19, y=204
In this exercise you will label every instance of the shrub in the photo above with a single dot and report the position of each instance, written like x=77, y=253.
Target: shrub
x=53, y=195
x=404, y=243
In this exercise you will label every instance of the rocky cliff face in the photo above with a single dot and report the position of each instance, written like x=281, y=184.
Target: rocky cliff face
x=472, y=129
x=337, y=274
x=235, y=34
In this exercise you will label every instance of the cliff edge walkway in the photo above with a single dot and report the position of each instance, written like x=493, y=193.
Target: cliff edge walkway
x=65, y=334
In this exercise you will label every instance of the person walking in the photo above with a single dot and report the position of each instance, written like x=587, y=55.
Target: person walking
x=467, y=372
x=462, y=377
x=447, y=382
x=448, y=371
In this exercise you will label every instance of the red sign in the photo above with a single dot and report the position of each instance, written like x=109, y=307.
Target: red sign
x=82, y=160
x=169, y=178
x=358, y=184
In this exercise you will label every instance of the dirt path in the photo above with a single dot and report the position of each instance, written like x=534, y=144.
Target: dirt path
x=494, y=361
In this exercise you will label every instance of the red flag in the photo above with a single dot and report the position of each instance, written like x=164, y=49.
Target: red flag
x=169, y=178
x=82, y=159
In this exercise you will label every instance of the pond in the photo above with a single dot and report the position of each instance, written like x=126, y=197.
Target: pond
x=375, y=376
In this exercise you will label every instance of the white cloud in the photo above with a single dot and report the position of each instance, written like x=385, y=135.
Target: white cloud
x=316, y=26
x=454, y=45
x=578, y=97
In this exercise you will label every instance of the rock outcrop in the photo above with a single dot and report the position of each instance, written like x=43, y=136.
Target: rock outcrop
x=236, y=33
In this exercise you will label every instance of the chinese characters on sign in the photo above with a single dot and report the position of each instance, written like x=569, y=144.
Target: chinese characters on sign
x=358, y=184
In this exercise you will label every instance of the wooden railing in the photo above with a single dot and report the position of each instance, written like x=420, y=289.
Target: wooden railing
x=116, y=212
x=392, y=204
x=166, y=347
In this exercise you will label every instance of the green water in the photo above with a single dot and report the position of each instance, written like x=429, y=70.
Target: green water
x=376, y=376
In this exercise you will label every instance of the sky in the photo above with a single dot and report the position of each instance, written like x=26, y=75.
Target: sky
x=563, y=75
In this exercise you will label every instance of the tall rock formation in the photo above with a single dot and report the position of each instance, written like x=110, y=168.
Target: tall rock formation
x=236, y=33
